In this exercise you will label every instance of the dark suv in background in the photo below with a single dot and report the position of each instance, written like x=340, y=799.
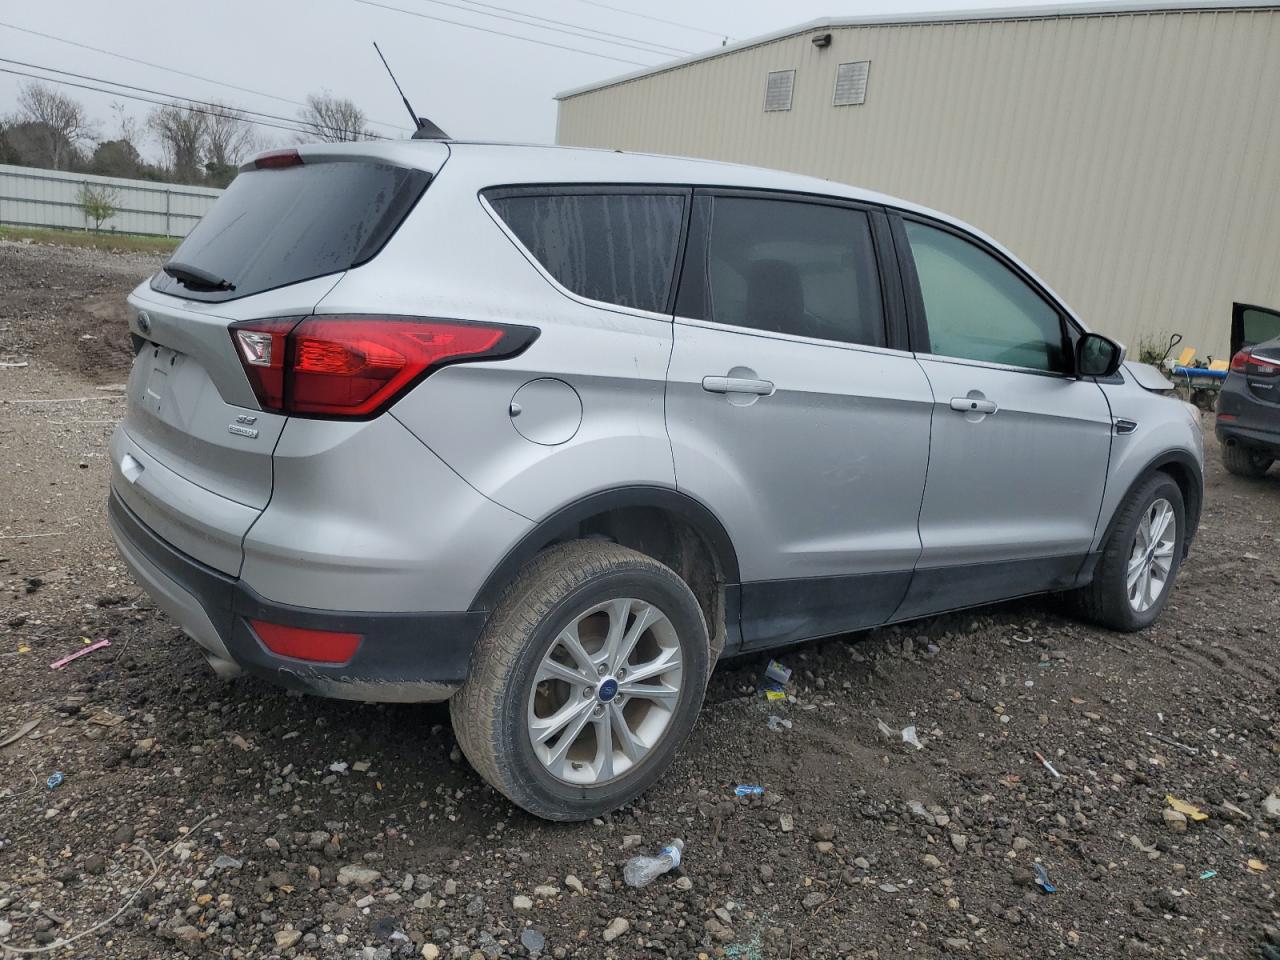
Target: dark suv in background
x=1249, y=406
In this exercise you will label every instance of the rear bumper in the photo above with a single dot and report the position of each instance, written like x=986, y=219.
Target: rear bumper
x=403, y=657
x=1230, y=432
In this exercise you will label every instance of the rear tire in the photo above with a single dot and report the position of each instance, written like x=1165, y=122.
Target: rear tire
x=1111, y=599
x=1245, y=461
x=550, y=651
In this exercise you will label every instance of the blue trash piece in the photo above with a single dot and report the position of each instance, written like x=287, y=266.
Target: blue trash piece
x=54, y=780
x=748, y=790
x=1042, y=879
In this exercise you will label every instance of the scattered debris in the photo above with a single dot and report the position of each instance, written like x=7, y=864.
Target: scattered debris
x=105, y=718
x=1186, y=748
x=1208, y=874
x=338, y=766
x=1186, y=809
x=748, y=790
x=774, y=691
x=1256, y=865
x=54, y=780
x=906, y=734
x=59, y=664
x=21, y=732
x=1047, y=765
x=642, y=871
x=777, y=672
x=777, y=723
x=1271, y=807
x=1042, y=878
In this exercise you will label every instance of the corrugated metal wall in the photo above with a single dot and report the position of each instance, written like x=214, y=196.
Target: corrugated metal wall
x=51, y=198
x=1133, y=160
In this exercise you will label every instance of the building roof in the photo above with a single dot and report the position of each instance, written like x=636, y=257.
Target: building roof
x=1043, y=12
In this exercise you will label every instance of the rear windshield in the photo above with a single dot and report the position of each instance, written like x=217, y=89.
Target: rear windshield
x=276, y=227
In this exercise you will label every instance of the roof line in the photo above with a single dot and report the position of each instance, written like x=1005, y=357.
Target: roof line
x=1047, y=11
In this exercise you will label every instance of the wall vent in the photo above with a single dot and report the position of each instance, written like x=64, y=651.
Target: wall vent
x=777, y=91
x=851, y=83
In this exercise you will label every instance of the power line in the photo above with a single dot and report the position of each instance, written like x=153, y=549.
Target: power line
x=215, y=109
x=645, y=16
x=501, y=33
x=619, y=39
x=181, y=73
x=134, y=96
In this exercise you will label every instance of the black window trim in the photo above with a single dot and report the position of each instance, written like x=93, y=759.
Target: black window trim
x=893, y=305
x=916, y=323
x=595, y=188
x=1237, y=322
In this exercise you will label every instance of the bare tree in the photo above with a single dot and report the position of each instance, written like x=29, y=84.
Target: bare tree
x=127, y=123
x=182, y=132
x=334, y=119
x=62, y=122
x=228, y=136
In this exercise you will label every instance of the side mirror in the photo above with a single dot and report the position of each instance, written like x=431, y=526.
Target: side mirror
x=1098, y=356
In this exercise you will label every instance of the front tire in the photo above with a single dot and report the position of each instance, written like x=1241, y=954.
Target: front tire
x=1245, y=461
x=1140, y=560
x=587, y=679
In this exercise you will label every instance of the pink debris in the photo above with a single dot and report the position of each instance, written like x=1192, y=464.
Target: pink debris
x=59, y=664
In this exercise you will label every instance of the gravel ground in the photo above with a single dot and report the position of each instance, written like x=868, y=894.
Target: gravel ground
x=234, y=820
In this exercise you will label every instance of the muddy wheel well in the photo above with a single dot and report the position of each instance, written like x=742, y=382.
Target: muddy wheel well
x=674, y=541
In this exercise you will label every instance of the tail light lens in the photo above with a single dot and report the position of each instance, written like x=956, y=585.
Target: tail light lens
x=355, y=367
x=1253, y=365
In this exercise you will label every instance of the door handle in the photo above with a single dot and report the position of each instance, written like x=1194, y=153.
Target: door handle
x=761, y=388
x=970, y=405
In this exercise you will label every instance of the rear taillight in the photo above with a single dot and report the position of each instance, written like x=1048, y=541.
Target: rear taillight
x=357, y=366
x=1253, y=365
x=277, y=159
x=318, y=646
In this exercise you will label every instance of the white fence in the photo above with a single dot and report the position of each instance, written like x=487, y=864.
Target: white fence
x=31, y=197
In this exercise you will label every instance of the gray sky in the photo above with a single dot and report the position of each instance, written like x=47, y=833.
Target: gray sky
x=471, y=83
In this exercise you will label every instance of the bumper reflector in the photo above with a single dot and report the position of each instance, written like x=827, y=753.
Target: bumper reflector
x=317, y=646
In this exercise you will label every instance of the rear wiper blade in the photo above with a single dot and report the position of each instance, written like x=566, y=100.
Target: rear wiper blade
x=196, y=279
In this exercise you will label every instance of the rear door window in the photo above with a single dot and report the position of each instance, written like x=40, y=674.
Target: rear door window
x=795, y=267
x=274, y=227
x=617, y=248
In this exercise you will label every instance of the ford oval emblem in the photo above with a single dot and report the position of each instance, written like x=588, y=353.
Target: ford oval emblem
x=144, y=321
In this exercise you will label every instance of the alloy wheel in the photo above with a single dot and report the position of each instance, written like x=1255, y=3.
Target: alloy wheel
x=1151, y=559
x=605, y=692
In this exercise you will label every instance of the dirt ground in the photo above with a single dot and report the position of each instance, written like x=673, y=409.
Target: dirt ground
x=200, y=818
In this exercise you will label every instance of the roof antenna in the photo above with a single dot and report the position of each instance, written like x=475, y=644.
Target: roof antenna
x=424, y=129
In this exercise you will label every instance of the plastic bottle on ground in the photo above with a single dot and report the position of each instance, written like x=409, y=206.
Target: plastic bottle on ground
x=642, y=871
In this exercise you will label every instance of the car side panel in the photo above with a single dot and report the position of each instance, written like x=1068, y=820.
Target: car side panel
x=594, y=419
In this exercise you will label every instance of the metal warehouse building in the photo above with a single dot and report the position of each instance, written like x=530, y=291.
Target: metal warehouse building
x=1130, y=154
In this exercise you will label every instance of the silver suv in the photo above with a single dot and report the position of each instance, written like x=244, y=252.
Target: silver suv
x=547, y=432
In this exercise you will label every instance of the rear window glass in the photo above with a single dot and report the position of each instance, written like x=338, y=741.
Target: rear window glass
x=276, y=227
x=616, y=248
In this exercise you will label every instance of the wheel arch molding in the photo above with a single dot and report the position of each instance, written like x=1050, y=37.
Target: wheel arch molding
x=1185, y=471
x=568, y=522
